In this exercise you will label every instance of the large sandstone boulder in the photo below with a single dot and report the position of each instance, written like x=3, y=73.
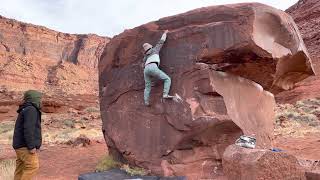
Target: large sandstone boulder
x=251, y=164
x=223, y=61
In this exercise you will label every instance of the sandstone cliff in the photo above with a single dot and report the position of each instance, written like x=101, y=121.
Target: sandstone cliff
x=306, y=13
x=36, y=57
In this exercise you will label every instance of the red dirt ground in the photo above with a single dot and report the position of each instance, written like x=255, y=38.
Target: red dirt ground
x=63, y=162
x=306, y=147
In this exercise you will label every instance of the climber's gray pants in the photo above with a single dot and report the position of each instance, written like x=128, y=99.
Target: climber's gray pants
x=152, y=71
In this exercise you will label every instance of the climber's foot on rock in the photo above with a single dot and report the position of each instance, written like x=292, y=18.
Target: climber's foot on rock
x=168, y=97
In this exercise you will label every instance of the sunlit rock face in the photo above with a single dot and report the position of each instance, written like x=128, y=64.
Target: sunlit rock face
x=224, y=61
x=307, y=17
x=35, y=57
x=244, y=163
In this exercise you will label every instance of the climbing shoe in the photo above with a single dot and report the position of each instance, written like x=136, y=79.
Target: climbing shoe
x=168, y=97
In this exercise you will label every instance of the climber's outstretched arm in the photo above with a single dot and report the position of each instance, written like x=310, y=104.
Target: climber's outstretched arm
x=159, y=45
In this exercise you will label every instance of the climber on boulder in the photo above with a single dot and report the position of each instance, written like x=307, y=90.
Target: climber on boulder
x=151, y=69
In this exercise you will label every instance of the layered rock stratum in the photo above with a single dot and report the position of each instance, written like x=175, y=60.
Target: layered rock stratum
x=35, y=57
x=62, y=66
x=306, y=13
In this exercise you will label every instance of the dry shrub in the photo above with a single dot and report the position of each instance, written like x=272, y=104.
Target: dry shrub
x=6, y=132
x=298, y=119
x=306, y=111
x=63, y=136
x=135, y=171
x=295, y=129
x=92, y=110
x=7, y=168
x=106, y=163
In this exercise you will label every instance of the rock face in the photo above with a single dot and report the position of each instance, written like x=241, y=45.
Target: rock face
x=313, y=175
x=220, y=60
x=306, y=14
x=251, y=164
x=40, y=58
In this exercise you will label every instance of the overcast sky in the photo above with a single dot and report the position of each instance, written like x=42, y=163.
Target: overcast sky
x=105, y=17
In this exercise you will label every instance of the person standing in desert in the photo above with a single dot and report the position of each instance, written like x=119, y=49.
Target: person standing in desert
x=27, y=138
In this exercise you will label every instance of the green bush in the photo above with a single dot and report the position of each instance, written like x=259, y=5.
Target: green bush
x=107, y=163
x=134, y=171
